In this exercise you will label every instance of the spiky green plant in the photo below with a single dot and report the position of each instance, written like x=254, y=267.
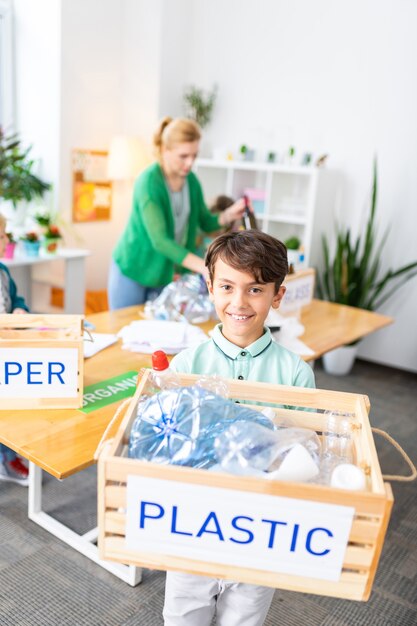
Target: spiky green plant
x=199, y=104
x=352, y=275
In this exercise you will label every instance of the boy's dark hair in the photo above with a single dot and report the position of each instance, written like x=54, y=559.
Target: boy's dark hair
x=250, y=251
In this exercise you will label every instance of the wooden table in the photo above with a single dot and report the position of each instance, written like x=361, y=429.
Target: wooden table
x=63, y=442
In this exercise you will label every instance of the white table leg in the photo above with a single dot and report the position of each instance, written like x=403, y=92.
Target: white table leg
x=75, y=282
x=82, y=543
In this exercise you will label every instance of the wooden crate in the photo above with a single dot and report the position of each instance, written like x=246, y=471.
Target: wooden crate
x=41, y=361
x=371, y=508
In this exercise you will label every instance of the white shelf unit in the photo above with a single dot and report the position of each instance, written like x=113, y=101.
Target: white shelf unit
x=297, y=202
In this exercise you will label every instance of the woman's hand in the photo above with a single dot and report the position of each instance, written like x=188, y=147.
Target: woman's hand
x=233, y=213
x=19, y=311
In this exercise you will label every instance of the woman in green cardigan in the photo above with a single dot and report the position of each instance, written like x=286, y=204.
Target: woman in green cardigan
x=168, y=210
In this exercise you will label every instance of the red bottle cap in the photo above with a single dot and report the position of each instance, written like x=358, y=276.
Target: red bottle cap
x=159, y=361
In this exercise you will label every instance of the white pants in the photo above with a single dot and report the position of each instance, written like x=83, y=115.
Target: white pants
x=192, y=601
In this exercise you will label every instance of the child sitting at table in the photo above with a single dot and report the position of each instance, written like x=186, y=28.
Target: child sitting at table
x=12, y=468
x=246, y=270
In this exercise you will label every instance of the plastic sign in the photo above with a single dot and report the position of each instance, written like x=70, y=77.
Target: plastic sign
x=38, y=372
x=239, y=528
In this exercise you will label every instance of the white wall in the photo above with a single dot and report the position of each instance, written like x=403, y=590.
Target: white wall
x=37, y=59
x=335, y=77
x=326, y=76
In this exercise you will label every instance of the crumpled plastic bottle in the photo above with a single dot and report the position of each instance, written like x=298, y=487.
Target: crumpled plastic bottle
x=250, y=448
x=179, y=426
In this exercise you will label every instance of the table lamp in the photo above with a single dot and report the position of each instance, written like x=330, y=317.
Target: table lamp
x=127, y=157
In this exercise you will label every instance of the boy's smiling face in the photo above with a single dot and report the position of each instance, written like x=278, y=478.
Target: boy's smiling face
x=242, y=303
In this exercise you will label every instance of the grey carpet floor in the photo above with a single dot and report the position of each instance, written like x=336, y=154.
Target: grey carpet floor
x=44, y=582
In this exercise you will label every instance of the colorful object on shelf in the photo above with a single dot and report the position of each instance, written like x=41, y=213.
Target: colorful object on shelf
x=9, y=250
x=32, y=248
x=257, y=198
x=31, y=244
x=51, y=239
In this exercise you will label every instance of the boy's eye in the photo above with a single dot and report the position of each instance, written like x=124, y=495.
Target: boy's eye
x=256, y=290
x=225, y=287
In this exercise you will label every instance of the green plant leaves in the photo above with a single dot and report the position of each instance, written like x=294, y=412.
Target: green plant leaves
x=352, y=276
x=200, y=104
x=17, y=180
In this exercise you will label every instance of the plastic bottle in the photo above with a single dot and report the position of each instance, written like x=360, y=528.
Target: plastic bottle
x=162, y=377
x=337, y=444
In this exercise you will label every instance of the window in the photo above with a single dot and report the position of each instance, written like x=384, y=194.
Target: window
x=6, y=65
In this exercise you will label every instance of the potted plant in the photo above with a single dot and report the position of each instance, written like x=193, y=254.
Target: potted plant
x=31, y=243
x=51, y=238
x=293, y=252
x=352, y=276
x=10, y=246
x=199, y=104
x=17, y=180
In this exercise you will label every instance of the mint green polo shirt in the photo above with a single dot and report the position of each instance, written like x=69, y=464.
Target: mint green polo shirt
x=263, y=361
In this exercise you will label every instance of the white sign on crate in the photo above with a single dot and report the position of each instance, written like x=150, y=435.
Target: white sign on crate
x=38, y=372
x=299, y=291
x=239, y=528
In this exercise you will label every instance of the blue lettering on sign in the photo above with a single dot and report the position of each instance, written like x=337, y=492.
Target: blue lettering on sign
x=309, y=537
x=211, y=526
x=58, y=373
x=34, y=369
x=174, y=524
x=274, y=524
x=144, y=515
x=31, y=373
x=8, y=372
x=211, y=516
x=244, y=530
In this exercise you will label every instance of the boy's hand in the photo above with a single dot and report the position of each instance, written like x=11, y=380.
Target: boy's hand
x=19, y=311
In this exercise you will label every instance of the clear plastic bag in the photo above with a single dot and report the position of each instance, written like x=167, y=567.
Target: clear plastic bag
x=285, y=454
x=185, y=299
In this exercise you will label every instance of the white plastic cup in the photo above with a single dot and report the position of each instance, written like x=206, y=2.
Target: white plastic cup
x=348, y=476
x=298, y=465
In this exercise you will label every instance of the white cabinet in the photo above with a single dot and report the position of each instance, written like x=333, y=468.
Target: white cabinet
x=34, y=277
x=298, y=200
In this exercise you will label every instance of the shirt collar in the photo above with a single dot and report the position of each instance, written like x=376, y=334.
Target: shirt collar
x=232, y=351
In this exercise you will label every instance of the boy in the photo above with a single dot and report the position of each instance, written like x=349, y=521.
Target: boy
x=11, y=466
x=246, y=270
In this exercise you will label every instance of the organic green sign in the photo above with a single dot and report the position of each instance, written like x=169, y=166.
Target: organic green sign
x=109, y=391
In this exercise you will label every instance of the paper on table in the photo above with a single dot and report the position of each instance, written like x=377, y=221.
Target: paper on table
x=100, y=341
x=290, y=330
x=149, y=335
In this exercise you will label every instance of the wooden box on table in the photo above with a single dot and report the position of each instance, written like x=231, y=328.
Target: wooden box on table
x=297, y=536
x=41, y=361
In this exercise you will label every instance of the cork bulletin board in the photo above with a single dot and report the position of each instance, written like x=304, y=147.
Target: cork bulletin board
x=92, y=192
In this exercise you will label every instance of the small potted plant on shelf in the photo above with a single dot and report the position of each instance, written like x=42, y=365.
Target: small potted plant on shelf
x=10, y=246
x=352, y=276
x=293, y=245
x=31, y=243
x=51, y=238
